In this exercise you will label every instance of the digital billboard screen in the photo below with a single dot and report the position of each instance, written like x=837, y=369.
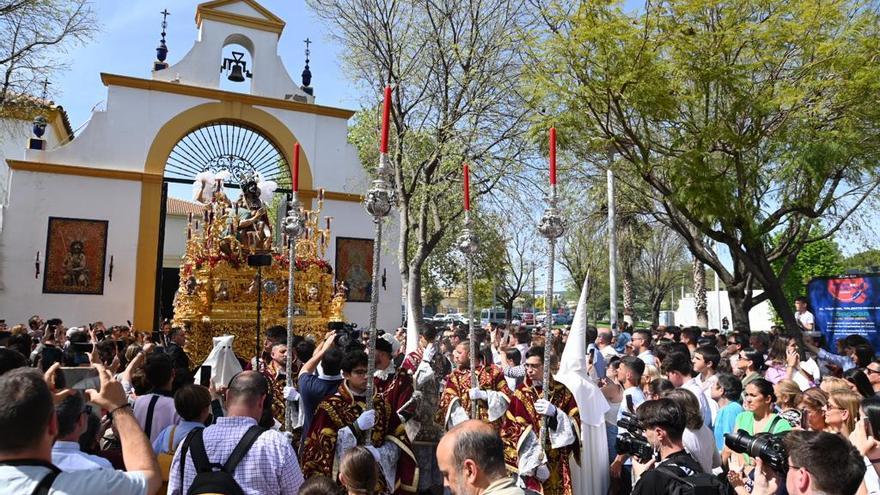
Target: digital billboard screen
x=847, y=305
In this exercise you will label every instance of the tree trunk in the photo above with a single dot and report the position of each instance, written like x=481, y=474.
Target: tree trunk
x=414, y=294
x=740, y=304
x=700, y=303
x=628, y=297
x=656, y=304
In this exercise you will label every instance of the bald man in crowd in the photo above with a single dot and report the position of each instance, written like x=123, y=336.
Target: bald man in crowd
x=471, y=459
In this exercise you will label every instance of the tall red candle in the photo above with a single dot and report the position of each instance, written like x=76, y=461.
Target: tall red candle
x=296, y=167
x=553, y=156
x=386, y=111
x=467, y=187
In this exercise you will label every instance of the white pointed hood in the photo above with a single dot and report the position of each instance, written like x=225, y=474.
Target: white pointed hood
x=591, y=476
x=573, y=368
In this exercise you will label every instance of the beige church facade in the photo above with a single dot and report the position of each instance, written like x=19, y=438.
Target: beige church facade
x=114, y=170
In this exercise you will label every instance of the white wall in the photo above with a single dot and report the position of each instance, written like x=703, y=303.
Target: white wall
x=174, y=245
x=351, y=220
x=760, y=316
x=14, y=139
x=37, y=196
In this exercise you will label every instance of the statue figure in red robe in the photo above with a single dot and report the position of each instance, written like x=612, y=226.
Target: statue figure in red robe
x=544, y=469
x=340, y=423
x=492, y=394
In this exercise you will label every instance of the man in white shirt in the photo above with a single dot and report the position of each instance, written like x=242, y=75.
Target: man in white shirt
x=603, y=343
x=73, y=418
x=28, y=427
x=641, y=341
x=629, y=373
x=803, y=317
x=677, y=367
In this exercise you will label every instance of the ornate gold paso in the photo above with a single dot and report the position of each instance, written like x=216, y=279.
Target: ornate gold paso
x=217, y=294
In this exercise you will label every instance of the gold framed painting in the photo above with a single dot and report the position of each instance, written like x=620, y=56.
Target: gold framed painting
x=354, y=266
x=76, y=252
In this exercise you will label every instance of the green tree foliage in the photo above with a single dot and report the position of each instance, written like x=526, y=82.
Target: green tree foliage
x=863, y=260
x=817, y=259
x=741, y=121
x=455, y=68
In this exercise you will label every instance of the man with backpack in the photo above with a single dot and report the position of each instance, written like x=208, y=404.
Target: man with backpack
x=235, y=455
x=676, y=473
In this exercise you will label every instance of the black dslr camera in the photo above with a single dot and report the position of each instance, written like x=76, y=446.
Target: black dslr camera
x=633, y=441
x=767, y=446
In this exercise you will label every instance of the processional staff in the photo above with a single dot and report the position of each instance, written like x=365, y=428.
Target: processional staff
x=294, y=226
x=551, y=228
x=467, y=244
x=378, y=204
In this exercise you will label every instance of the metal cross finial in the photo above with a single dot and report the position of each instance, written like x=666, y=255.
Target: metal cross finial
x=308, y=42
x=46, y=84
x=165, y=15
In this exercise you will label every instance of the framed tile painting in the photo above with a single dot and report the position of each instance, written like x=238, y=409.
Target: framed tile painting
x=354, y=266
x=76, y=251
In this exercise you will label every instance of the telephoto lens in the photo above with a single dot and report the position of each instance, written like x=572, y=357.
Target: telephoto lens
x=767, y=446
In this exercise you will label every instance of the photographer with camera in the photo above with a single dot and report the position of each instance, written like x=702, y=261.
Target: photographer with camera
x=812, y=463
x=663, y=422
x=319, y=377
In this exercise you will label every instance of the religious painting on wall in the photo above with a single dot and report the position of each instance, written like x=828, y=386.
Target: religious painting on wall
x=76, y=251
x=354, y=266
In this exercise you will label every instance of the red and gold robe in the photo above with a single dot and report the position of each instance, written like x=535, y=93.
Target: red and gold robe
x=458, y=385
x=522, y=419
x=397, y=389
x=341, y=410
x=274, y=374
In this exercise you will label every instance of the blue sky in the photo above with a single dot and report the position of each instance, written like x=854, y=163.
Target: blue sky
x=129, y=34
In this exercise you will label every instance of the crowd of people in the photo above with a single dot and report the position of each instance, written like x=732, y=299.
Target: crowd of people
x=96, y=408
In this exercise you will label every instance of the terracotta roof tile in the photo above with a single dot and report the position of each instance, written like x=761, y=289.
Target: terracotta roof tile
x=181, y=207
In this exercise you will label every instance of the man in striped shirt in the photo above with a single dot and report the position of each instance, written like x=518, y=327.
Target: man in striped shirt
x=269, y=468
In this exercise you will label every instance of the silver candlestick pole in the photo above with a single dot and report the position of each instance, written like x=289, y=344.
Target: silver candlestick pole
x=468, y=245
x=378, y=204
x=551, y=227
x=294, y=226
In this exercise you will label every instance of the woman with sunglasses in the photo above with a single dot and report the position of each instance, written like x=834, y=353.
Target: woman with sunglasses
x=813, y=403
x=842, y=411
x=751, y=366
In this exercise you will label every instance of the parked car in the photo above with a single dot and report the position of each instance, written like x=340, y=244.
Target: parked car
x=494, y=315
x=456, y=317
x=563, y=319
x=439, y=316
x=528, y=318
x=539, y=318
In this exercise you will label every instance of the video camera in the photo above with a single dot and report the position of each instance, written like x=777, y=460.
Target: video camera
x=633, y=441
x=767, y=446
x=347, y=334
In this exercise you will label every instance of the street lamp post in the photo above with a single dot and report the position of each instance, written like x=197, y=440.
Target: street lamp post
x=612, y=244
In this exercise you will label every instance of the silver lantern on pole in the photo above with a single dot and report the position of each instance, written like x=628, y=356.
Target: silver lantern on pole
x=294, y=227
x=551, y=228
x=378, y=204
x=468, y=245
